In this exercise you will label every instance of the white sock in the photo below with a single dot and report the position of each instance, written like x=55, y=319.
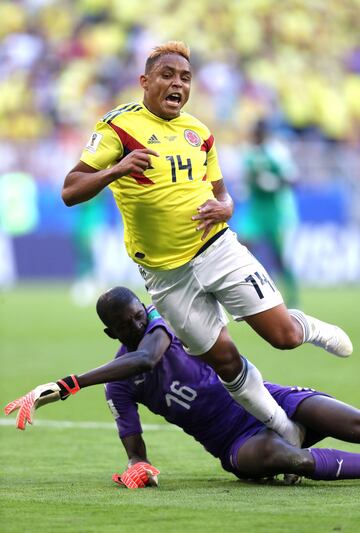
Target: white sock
x=249, y=391
x=328, y=336
x=302, y=319
x=314, y=330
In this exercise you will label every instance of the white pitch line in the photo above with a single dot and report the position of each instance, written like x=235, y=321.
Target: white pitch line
x=65, y=424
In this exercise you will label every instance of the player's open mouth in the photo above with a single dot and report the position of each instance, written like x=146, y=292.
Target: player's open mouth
x=174, y=99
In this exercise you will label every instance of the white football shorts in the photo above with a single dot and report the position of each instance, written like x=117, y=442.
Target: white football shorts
x=190, y=298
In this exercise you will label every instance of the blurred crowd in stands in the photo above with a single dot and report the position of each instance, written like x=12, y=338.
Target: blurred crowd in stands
x=66, y=62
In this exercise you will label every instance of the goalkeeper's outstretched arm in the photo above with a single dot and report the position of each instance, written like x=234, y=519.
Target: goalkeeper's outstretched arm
x=150, y=350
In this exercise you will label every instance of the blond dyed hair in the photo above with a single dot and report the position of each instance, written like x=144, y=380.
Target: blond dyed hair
x=171, y=47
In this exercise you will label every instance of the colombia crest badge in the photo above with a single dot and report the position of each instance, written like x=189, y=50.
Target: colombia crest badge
x=192, y=137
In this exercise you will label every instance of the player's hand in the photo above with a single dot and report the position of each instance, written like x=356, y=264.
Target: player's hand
x=211, y=213
x=135, y=163
x=138, y=476
x=41, y=395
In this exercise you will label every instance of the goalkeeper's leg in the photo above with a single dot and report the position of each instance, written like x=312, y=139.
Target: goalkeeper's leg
x=267, y=454
x=329, y=417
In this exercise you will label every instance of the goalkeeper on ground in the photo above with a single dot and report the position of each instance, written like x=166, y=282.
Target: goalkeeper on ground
x=152, y=368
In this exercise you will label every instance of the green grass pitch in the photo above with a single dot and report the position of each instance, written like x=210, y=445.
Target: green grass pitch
x=58, y=478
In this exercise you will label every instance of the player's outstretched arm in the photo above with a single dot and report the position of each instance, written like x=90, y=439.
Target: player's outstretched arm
x=150, y=351
x=139, y=473
x=41, y=395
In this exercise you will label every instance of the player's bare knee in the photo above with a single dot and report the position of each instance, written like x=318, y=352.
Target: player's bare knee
x=228, y=369
x=224, y=358
x=285, y=339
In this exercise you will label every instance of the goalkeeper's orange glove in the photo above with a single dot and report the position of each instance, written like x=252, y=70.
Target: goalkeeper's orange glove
x=41, y=395
x=138, y=476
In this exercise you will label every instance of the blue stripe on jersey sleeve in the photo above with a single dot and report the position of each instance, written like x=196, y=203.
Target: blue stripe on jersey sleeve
x=153, y=313
x=156, y=320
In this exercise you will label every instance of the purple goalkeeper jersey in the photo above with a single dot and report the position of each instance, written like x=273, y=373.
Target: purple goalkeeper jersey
x=181, y=388
x=186, y=392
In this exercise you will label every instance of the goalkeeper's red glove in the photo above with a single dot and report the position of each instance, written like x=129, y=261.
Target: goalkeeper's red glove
x=41, y=395
x=138, y=476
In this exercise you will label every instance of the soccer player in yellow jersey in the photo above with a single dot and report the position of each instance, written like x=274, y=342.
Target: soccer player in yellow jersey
x=162, y=168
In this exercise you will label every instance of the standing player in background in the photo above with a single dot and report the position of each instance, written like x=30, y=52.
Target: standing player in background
x=155, y=370
x=175, y=206
x=91, y=221
x=19, y=215
x=271, y=213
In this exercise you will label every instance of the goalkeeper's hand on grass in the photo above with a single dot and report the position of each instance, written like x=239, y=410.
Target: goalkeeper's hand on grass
x=41, y=395
x=138, y=476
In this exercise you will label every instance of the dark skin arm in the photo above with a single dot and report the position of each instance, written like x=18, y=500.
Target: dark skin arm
x=219, y=209
x=155, y=344
x=150, y=350
x=135, y=449
x=84, y=182
x=136, y=452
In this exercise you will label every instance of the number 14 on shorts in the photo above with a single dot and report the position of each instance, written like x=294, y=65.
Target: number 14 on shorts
x=257, y=280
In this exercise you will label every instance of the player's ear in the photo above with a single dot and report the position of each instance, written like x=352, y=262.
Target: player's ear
x=109, y=333
x=144, y=81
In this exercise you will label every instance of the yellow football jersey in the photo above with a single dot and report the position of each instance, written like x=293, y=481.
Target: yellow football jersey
x=157, y=206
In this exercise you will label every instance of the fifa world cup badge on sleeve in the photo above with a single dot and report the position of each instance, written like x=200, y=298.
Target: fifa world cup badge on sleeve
x=93, y=142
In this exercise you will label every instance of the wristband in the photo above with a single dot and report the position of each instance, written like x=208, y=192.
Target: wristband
x=68, y=385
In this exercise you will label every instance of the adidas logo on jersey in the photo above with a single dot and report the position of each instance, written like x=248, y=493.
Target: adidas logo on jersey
x=153, y=139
